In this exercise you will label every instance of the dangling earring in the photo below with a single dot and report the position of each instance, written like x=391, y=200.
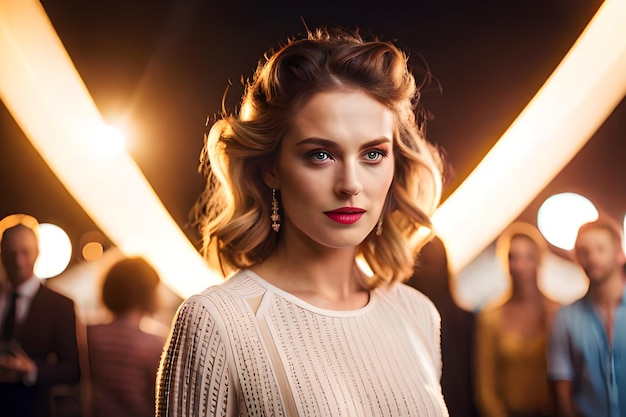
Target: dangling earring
x=379, y=225
x=275, y=216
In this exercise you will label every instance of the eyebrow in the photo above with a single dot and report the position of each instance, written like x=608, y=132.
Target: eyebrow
x=331, y=144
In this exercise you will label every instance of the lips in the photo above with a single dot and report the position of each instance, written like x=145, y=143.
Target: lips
x=345, y=215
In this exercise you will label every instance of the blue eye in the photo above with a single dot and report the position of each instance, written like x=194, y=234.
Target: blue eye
x=319, y=156
x=375, y=155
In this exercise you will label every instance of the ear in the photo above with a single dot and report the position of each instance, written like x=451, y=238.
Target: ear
x=270, y=176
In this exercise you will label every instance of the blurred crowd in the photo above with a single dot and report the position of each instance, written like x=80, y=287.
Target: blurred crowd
x=522, y=355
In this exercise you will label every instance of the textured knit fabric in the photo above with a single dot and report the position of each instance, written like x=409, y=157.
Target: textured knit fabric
x=247, y=348
x=579, y=351
x=123, y=363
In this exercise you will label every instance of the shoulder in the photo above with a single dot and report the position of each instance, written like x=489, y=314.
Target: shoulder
x=409, y=299
x=551, y=307
x=574, y=314
x=576, y=308
x=240, y=286
x=50, y=296
x=225, y=302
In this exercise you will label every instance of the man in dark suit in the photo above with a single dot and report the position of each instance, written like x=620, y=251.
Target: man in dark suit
x=37, y=331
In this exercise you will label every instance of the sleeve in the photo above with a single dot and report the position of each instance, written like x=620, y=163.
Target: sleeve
x=558, y=356
x=436, y=328
x=487, y=397
x=426, y=317
x=194, y=377
x=66, y=368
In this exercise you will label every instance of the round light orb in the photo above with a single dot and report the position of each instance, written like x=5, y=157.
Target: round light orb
x=560, y=216
x=55, y=251
x=93, y=251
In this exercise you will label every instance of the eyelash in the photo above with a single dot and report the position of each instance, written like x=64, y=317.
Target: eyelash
x=380, y=153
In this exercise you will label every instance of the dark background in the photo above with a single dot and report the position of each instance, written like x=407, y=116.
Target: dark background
x=165, y=66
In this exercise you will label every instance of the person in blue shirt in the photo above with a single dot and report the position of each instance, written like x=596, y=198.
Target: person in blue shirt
x=587, y=351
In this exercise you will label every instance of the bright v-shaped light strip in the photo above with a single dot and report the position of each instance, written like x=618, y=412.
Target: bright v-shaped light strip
x=573, y=103
x=46, y=96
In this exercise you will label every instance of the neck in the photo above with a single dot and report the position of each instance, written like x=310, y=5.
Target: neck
x=527, y=293
x=17, y=281
x=132, y=317
x=326, y=277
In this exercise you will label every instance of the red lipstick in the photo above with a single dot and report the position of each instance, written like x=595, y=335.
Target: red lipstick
x=345, y=215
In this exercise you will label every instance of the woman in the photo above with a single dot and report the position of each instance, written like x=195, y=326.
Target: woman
x=123, y=358
x=511, y=338
x=323, y=165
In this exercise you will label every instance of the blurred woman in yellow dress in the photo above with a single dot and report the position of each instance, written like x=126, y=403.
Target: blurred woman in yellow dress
x=511, y=336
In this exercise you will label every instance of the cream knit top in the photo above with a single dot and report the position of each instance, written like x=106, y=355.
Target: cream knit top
x=247, y=348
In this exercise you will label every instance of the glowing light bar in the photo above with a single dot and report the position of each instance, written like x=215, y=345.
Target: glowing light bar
x=576, y=99
x=45, y=94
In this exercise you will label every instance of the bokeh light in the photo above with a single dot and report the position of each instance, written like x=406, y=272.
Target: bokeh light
x=92, y=245
x=92, y=251
x=55, y=251
x=560, y=216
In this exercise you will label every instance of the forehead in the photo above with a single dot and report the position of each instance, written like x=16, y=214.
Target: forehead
x=523, y=241
x=594, y=237
x=344, y=111
x=19, y=237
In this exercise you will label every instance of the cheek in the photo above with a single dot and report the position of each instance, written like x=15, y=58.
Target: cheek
x=301, y=190
x=382, y=182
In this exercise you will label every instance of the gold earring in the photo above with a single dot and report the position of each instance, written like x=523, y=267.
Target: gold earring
x=275, y=216
x=379, y=227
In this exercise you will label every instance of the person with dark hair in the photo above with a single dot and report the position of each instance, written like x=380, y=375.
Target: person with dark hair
x=318, y=197
x=511, y=334
x=432, y=277
x=123, y=358
x=38, y=333
x=587, y=347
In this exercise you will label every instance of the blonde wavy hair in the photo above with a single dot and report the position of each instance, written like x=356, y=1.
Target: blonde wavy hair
x=233, y=212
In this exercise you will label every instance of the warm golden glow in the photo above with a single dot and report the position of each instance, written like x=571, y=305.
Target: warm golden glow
x=47, y=98
x=576, y=99
x=93, y=251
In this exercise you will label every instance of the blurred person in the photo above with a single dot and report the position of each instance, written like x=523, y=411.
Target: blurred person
x=511, y=336
x=324, y=164
x=38, y=334
x=432, y=277
x=123, y=358
x=587, y=348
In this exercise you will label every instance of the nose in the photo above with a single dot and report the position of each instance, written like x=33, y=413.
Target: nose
x=348, y=182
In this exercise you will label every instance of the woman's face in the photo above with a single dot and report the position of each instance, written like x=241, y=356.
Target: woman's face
x=523, y=260
x=334, y=169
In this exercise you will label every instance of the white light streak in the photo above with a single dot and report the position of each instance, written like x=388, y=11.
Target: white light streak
x=46, y=96
x=575, y=100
